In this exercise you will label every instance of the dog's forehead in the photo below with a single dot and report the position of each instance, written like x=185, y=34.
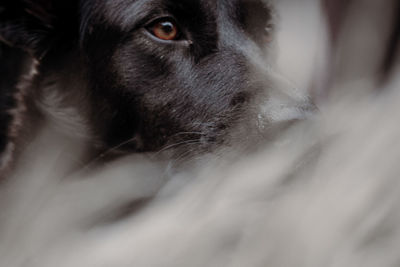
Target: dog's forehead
x=124, y=13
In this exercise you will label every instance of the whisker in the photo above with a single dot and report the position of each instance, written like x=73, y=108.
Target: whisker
x=186, y=142
x=183, y=133
x=110, y=150
x=181, y=156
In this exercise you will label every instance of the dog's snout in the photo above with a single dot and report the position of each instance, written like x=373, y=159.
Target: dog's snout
x=285, y=102
x=273, y=113
x=274, y=119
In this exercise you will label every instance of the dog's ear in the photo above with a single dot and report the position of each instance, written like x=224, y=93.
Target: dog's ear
x=36, y=25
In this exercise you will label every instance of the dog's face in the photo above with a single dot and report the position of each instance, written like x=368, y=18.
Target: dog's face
x=154, y=74
x=171, y=72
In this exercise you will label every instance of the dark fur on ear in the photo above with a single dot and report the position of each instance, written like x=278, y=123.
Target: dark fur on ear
x=36, y=25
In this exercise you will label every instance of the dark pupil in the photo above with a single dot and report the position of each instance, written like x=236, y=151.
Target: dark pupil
x=167, y=27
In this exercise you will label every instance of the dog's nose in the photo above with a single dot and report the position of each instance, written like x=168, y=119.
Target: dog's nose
x=284, y=104
x=275, y=112
x=280, y=122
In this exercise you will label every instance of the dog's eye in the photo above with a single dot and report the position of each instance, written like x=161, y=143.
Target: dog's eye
x=165, y=29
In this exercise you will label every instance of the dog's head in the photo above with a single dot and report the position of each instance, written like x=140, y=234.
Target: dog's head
x=144, y=75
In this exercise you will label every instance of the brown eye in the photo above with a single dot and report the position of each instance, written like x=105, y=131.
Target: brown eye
x=165, y=30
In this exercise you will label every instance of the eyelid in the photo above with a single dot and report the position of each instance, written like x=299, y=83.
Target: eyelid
x=181, y=41
x=160, y=18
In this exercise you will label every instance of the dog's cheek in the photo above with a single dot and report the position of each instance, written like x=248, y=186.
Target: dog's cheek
x=151, y=99
x=124, y=94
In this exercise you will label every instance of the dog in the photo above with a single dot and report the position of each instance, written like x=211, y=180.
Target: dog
x=139, y=76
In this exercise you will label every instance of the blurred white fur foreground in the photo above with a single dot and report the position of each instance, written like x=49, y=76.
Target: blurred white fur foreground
x=342, y=210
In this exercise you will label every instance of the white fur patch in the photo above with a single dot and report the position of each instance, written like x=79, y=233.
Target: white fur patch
x=67, y=117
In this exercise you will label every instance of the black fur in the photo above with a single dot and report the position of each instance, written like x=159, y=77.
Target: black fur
x=11, y=66
x=137, y=93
